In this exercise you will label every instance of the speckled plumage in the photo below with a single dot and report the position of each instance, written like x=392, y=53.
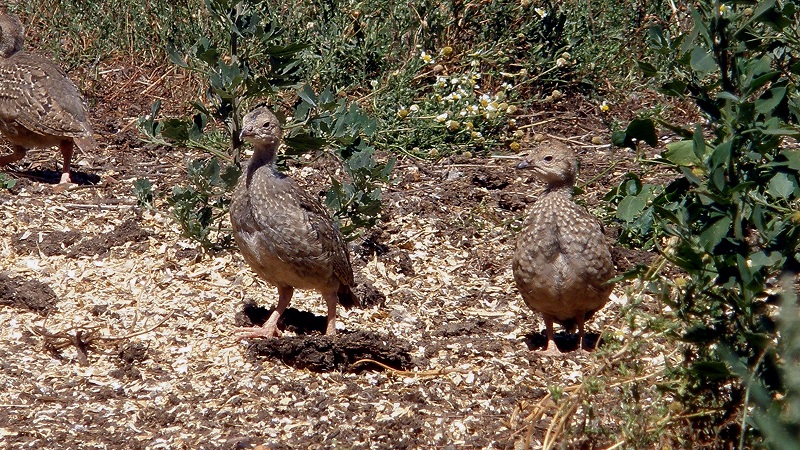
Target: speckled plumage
x=39, y=105
x=562, y=261
x=285, y=234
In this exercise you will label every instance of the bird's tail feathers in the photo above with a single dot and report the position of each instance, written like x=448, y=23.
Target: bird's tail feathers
x=86, y=143
x=346, y=297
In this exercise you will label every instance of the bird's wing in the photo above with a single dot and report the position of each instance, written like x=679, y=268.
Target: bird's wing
x=581, y=238
x=38, y=95
x=329, y=236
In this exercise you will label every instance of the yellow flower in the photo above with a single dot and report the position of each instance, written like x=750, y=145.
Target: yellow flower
x=452, y=125
x=402, y=113
x=514, y=146
x=441, y=117
x=446, y=51
x=604, y=106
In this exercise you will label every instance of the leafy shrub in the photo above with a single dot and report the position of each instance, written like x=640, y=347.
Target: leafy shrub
x=79, y=33
x=729, y=219
x=249, y=63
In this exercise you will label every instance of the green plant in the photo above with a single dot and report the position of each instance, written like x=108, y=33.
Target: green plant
x=730, y=218
x=143, y=189
x=250, y=63
x=247, y=63
x=323, y=120
x=80, y=33
x=6, y=182
x=778, y=419
x=200, y=206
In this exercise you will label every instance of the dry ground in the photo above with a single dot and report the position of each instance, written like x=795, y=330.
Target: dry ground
x=117, y=333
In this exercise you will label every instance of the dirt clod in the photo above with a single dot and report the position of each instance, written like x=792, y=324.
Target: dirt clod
x=27, y=294
x=335, y=353
x=72, y=243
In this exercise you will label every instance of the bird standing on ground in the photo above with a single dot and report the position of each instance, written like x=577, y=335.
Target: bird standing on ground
x=286, y=235
x=562, y=262
x=39, y=105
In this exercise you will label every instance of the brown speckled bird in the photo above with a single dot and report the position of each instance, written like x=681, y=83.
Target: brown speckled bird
x=286, y=235
x=562, y=261
x=39, y=105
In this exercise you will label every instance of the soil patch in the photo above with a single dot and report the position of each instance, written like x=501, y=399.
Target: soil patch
x=72, y=244
x=336, y=353
x=32, y=295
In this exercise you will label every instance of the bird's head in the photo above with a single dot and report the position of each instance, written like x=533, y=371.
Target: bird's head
x=553, y=162
x=12, y=35
x=261, y=128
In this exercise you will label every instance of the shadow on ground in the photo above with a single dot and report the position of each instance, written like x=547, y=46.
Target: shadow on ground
x=312, y=350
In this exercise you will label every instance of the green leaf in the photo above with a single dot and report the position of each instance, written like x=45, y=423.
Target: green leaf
x=681, y=153
x=643, y=130
x=770, y=100
x=715, y=233
x=699, y=143
x=782, y=185
x=175, y=57
x=647, y=69
x=724, y=95
x=631, y=207
x=674, y=88
x=764, y=259
x=304, y=142
x=760, y=81
x=702, y=62
x=618, y=138
x=775, y=127
x=793, y=158
x=307, y=95
x=721, y=154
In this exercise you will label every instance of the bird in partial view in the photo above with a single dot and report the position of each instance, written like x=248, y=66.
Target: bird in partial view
x=39, y=105
x=285, y=234
x=562, y=263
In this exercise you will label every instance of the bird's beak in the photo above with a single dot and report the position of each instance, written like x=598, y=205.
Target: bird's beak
x=524, y=164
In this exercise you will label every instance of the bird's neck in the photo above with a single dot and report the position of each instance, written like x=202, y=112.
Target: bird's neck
x=563, y=189
x=263, y=155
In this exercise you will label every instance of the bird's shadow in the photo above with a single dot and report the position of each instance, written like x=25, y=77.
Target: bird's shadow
x=292, y=320
x=350, y=351
x=51, y=176
x=566, y=342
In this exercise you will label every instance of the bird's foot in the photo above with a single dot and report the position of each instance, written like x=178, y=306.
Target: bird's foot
x=65, y=179
x=551, y=350
x=257, y=332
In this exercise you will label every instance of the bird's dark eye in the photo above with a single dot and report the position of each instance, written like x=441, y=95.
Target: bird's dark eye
x=548, y=158
x=266, y=124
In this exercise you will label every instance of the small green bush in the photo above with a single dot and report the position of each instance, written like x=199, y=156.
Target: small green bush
x=251, y=62
x=729, y=220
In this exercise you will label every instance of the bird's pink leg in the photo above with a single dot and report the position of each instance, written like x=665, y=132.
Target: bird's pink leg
x=332, y=300
x=270, y=329
x=581, y=319
x=66, y=147
x=551, y=349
